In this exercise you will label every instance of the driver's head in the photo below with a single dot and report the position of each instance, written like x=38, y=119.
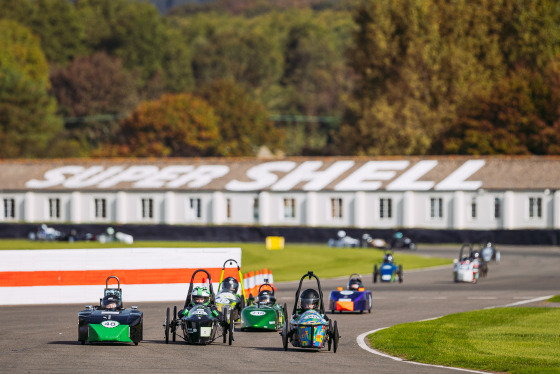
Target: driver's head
x=354, y=284
x=309, y=299
x=230, y=284
x=111, y=302
x=200, y=296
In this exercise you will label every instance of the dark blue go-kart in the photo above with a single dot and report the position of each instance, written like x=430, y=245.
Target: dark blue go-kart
x=388, y=271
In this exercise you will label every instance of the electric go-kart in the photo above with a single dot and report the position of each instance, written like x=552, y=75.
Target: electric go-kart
x=399, y=241
x=228, y=296
x=264, y=313
x=467, y=267
x=388, y=271
x=488, y=252
x=354, y=298
x=309, y=326
x=199, y=322
x=110, y=322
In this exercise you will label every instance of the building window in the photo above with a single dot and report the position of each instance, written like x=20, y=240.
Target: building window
x=54, y=208
x=473, y=207
x=535, y=207
x=436, y=207
x=147, y=208
x=100, y=208
x=289, y=208
x=256, y=208
x=195, y=208
x=497, y=207
x=9, y=208
x=228, y=208
x=385, y=208
x=336, y=208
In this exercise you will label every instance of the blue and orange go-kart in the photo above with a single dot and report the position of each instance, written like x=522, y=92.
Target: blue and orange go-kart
x=309, y=326
x=354, y=298
x=199, y=322
x=388, y=271
x=110, y=322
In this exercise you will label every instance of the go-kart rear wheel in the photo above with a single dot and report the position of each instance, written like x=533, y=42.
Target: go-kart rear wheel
x=284, y=334
x=174, y=327
x=225, y=327
x=375, y=273
x=231, y=327
x=329, y=342
x=285, y=312
x=167, y=327
x=335, y=337
x=400, y=274
x=369, y=304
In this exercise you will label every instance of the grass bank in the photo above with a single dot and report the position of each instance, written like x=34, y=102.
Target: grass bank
x=513, y=340
x=287, y=264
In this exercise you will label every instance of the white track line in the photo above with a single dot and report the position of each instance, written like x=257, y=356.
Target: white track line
x=361, y=340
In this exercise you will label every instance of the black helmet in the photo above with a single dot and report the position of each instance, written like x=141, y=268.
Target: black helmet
x=354, y=283
x=111, y=301
x=230, y=284
x=309, y=299
x=266, y=298
x=388, y=258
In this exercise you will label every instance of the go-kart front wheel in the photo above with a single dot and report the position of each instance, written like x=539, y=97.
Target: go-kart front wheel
x=336, y=337
x=231, y=325
x=167, y=327
x=375, y=273
x=400, y=274
x=284, y=334
x=174, y=325
x=329, y=342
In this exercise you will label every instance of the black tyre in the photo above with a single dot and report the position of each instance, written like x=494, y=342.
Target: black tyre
x=400, y=274
x=231, y=325
x=225, y=327
x=83, y=342
x=174, y=324
x=285, y=311
x=284, y=334
x=335, y=337
x=370, y=303
x=375, y=273
x=167, y=327
x=331, y=333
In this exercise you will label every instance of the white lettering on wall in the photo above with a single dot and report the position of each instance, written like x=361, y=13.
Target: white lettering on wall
x=132, y=174
x=368, y=177
x=91, y=176
x=262, y=176
x=317, y=179
x=200, y=177
x=408, y=181
x=54, y=177
x=457, y=179
x=170, y=173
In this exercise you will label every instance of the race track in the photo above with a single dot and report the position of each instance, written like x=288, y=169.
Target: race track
x=44, y=338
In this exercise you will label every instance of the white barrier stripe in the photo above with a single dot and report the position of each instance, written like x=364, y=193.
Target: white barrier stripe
x=121, y=258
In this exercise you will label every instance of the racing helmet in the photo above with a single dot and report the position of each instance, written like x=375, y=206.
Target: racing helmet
x=354, y=284
x=309, y=299
x=230, y=284
x=200, y=296
x=475, y=255
x=266, y=298
x=111, y=301
x=388, y=258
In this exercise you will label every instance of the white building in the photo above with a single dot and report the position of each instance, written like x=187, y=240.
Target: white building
x=403, y=192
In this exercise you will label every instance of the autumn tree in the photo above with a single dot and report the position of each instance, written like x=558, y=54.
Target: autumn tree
x=180, y=125
x=244, y=123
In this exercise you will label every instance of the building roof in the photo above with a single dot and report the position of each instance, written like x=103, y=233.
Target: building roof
x=286, y=174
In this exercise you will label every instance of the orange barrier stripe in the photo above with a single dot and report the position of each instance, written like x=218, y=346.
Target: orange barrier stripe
x=98, y=277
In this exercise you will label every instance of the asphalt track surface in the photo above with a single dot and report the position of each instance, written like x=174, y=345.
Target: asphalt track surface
x=38, y=339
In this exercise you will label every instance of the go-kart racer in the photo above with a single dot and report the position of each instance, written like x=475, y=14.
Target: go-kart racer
x=354, y=284
x=388, y=258
x=309, y=299
x=266, y=298
x=230, y=284
x=199, y=296
x=111, y=302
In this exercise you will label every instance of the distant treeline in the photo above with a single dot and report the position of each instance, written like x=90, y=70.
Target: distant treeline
x=114, y=78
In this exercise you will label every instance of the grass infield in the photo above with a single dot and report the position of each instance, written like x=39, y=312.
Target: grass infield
x=512, y=340
x=287, y=264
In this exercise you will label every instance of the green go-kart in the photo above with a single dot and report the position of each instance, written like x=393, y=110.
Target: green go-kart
x=264, y=313
x=231, y=294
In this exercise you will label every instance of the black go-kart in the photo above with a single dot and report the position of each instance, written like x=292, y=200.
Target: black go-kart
x=199, y=324
x=110, y=322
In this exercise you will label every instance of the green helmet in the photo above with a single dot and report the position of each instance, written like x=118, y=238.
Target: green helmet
x=200, y=296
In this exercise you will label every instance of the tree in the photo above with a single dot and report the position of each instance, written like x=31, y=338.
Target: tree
x=243, y=121
x=175, y=125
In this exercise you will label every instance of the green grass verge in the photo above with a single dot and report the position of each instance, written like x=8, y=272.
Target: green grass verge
x=513, y=340
x=287, y=264
x=555, y=299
